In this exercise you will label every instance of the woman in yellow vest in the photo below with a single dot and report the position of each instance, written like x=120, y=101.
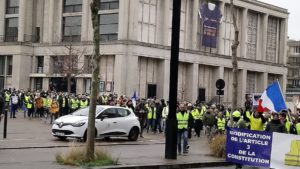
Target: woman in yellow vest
x=257, y=120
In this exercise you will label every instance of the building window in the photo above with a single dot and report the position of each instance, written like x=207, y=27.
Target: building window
x=109, y=4
x=40, y=64
x=252, y=35
x=11, y=30
x=250, y=83
x=109, y=27
x=39, y=83
x=72, y=6
x=272, y=39
x=12, y=6
x=5, y=70
x=72, y=29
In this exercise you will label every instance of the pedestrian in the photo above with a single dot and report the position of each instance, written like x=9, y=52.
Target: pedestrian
x=288, y=125
x=159, y=109
x=151, y=118
x=191, y=120
x=165, y=114
x=221, y=123
x=2, y=104
x=210, y=122
x=256, y=119
x=14, y=99
x=237, y=122
x=39, y=103
x=54, y=109
x=275, y=125
x=30, y=106
x=182, y=133
x=197, y=115
x=141, y=112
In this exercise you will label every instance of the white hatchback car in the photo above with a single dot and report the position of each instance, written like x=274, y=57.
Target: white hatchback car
x=111, y=121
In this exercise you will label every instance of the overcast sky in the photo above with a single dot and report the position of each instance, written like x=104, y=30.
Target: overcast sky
x=293, y=7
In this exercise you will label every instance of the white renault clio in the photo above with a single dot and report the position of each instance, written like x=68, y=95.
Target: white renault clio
x=111, y=121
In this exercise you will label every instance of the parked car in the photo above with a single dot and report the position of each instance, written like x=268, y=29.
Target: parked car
x=111, y=121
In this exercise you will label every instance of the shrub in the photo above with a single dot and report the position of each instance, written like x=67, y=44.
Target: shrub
x=76, y=156
x=218, y=146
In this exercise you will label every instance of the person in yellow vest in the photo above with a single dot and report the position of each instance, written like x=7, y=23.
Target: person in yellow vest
x=182, y=133
x=30, y=106
x=39, y=102
x=54, y=109
x=84, y=102
x=288, y=125
x=198, y=117
x=298, y=126
x=256, y=119
x=151, y=116
x=221, y=123
x=73, y=104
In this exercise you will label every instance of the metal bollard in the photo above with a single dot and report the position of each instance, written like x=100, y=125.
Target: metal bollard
x=5, y=124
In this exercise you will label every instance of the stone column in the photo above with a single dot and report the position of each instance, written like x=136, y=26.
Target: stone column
x=21, y=20
x=264, y=37
x=166, y=25
x=262, y=82
x=85, y=20
x=123, y=19
x=21, y=71
x=47, y=62
x=46, y=83
x=2, y=20
x=283, y=41
x=221, y=31
x=132, y=72
x=195, y=24
x=120, y=74
x=163, y=79
x=243, y=53
x=242, y=80
x=192, y=82
x=51, y=20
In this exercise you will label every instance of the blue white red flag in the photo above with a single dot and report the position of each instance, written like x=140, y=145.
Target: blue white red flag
x=272, y=99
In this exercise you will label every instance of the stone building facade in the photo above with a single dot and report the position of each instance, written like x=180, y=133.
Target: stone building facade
x=35, y=35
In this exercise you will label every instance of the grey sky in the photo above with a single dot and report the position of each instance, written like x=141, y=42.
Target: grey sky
x=294, y=17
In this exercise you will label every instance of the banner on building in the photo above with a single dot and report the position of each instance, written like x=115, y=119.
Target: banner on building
x=263, y=149
x=211, y=17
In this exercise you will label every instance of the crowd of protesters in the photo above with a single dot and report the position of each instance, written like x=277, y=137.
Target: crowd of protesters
x=152, y=113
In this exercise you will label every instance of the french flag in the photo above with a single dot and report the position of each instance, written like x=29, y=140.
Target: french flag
x=272, y=99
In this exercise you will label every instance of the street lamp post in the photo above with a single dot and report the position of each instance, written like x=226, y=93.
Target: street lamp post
x=171, y=122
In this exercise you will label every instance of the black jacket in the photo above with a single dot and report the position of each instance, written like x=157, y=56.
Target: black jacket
x=276, y=126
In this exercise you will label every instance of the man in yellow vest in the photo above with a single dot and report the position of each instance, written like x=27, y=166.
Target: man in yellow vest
x=256, y=119
x=288, y=125
x=151, y=117
x=198, y=117
x=73, y=104
x=182, y=136
x=84, y=102
x=221, y=123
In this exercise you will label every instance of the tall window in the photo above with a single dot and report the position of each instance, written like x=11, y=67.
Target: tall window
x=12, y=6
x=72, y=29
x=72, y=6
x=5, y=70
x=252, y=35
x=109, y=4
x=11, y=29
x=272, y=40
x=109, y=27
x=39, y=83
x=40, y=64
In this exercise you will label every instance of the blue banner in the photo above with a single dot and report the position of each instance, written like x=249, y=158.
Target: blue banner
x=249, y=147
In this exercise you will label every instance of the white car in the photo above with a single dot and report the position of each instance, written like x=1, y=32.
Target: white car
x=111, y=121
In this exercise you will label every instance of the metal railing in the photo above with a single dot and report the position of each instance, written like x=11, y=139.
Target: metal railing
x=5, y=38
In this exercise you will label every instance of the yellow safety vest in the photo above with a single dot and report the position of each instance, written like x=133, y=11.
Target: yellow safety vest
x=26, y=99
x=298, y=128
x=256, y=123
x=288, y=126
x=196, y=114
x=221, y=123
x=227, y=114
x=83, y=104
x=182, y=120
x=74, y=104
x=7, y=97
x=203, y=110
x=29, y=105
x=151, y=115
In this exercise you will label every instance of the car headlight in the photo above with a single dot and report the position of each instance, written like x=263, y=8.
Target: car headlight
x=78, y=124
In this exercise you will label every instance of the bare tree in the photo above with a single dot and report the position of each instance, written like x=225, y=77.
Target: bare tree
x=90, y=146
x=234, y=47
x=67, y=63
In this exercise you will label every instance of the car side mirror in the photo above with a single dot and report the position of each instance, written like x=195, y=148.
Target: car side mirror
x=102, y=117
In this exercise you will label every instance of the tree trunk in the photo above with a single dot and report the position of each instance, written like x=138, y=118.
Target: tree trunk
x=234, y=47
x=90, y=146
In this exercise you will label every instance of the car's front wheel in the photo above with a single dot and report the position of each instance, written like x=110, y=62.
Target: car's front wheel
x=85, y=135
x=134, y=134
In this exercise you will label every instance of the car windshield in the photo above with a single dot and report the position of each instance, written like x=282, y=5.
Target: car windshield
x=85, y=111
